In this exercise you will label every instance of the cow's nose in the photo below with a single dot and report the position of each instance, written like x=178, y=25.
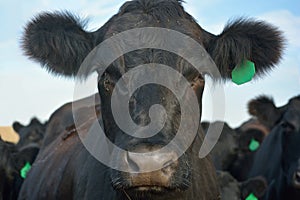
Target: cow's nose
x=296, y=179
x=147, y=162
x=151, y=169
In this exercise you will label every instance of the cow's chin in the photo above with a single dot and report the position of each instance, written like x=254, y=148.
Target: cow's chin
x=149, y=188
x=150, y=192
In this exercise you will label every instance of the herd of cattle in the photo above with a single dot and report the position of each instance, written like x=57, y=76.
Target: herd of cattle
x=258, y=160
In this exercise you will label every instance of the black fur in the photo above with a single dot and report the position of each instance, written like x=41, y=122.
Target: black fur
x=257, y=105
x=264, y=109
x=158, y=9
x=257, y=41
x=58, y=41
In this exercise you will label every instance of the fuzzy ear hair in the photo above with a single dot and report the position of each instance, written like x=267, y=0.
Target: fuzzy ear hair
x=35, y=121
x=242, y=39
x=264, y=109
x=261, y=103
x=58, y=41
x=17, y=126
x=255, y=185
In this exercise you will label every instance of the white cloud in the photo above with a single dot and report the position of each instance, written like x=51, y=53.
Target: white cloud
x=288, y=23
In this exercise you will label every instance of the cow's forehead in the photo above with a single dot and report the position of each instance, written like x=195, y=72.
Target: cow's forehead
x=144, y=56
x=165, y=14
x=295, y=102
x=133, y=21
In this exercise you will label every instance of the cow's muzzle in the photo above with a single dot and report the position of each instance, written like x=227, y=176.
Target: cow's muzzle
x=148, y=169
x=296, y=179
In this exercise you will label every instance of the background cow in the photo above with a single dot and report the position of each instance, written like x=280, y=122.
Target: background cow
x=32, y=133
x=278, y=158
x=12, y=160
x=234, y=152
x=231, y=189
x=65, y=169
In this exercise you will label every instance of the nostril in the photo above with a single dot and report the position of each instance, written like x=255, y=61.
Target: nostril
x=168, y=163
x=297, y=176
x=169, y=167
x=296, y=179
x=132, y=164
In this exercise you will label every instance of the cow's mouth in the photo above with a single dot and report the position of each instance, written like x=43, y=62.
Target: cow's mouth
x=149, y=192
x=150, y=188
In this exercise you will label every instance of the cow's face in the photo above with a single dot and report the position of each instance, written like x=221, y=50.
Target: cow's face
x=33, y=133
x=248, y=142
x=284, y=121
x=171, y=172
x=290, y=129
x=174, y=173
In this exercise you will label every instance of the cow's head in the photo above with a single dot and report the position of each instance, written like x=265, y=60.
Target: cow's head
x=289, y=127
x=59, y=42
x=32, y=133
x=249, y=137
x=286, y=126
x=235, y=149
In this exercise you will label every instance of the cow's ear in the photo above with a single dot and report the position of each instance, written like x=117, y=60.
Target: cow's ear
x=35, y=121
x=58, y=41
x=264, y=109
x=17, y=126
x=255, y=186
x=246, y=39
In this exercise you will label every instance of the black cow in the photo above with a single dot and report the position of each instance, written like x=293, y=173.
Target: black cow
x=225, y=150
x=249, y=136
x=278, y=158
x=65, y=169
x=32, y=133
x=231, y=189
x=235, y=150
x=12, y=160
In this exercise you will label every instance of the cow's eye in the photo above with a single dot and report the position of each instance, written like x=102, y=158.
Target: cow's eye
x=288, y=127
x=107, y=83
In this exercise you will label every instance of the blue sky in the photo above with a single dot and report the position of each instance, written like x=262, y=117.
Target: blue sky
x=27, y=90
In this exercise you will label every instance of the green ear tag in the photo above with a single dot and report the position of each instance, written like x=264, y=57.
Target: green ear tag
x=25, y=169
x=251, y=196
x=243, y=73
x=254, y=144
